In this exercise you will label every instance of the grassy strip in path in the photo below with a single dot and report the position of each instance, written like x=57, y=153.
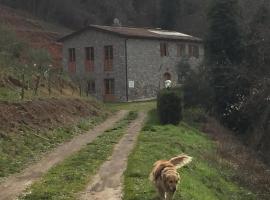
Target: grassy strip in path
x=203, y=179
x=133, y=106
x=18, y=150
x=70, y=177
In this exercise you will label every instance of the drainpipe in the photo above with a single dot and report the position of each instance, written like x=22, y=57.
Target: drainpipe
x=126, y=69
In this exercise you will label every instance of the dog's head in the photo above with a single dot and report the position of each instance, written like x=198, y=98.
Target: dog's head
x=170, y=174
x=167, y=171
x=170, y=178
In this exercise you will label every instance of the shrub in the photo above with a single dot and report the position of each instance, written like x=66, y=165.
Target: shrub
x=169, y=106
x=195, y=115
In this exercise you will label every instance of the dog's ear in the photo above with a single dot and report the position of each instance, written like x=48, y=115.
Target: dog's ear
x=158, y=170
x=181, y=160
x=159, y=166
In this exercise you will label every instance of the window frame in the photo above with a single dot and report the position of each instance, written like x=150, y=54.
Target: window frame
x=72, y=55
x=72, y=60
x=181, y=50
x=110, y=90
x=108, y=57
x=164, y=49
x=91, y=86
x=194, y=51
x=89, y=59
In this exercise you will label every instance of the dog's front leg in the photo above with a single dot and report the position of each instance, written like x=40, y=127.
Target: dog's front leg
x=161, y=193
x=169, y=195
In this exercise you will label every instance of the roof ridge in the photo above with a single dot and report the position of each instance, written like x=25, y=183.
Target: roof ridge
x=138, y=32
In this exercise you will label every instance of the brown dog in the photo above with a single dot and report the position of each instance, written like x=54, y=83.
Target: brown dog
x=165, y=176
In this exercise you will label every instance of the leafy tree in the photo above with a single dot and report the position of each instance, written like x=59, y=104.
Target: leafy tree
x=10, y=46
x=258, y=45
x=224, y=45
x=169, y=11
x=224, y=40
x=40, y=60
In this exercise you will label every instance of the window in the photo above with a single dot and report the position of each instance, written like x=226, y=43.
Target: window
x=181, y=78
x=164, y=49
x=109, y=86
x=91, y=87
x=108, y=58
x=89, y=59
x=72, y=60
x=89, y=53
x=181, y=50
x=194, y=51
x=72, y=55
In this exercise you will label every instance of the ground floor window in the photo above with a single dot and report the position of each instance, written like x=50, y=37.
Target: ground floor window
x=109, y=86
x=91, y=87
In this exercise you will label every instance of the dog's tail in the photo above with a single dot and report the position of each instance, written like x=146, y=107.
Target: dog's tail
x=181, y=160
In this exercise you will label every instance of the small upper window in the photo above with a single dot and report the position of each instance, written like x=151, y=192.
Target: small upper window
x=193, y=51
x=181, y=50
x=72, y=55
x=164, y=49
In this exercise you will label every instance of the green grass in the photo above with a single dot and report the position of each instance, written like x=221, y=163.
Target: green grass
x=7, y=94
x=204, y=179
x=134, y=106
x=18, y=150
x=71, y=176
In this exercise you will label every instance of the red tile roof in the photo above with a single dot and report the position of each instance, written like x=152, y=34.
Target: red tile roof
x=131, y=32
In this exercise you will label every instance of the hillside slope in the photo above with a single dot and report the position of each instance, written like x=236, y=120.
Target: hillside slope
x=35, y=32
x=29, y=129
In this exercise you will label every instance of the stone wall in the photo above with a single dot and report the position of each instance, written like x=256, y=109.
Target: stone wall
x=98, y=40
x=146, y=68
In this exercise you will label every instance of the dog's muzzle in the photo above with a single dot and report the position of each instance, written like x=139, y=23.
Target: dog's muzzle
x=173, y=189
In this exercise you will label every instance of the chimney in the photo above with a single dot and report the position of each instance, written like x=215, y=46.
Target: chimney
x=116, y=22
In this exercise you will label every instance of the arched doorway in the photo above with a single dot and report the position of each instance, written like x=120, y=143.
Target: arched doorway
x=167, y=76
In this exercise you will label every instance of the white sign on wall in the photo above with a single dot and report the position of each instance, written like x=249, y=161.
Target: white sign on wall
x=131, y=84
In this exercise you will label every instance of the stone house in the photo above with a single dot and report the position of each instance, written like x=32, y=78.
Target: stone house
x=127, y=64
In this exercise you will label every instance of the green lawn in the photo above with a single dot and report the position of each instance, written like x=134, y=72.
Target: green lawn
x=68, y=178
x=206, y=178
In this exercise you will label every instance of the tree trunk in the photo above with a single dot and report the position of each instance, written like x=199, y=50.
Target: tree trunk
x=49, y=86
x=37, y=85
x=23, y=85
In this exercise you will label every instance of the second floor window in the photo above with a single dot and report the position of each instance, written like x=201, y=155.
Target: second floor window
x=90, y=55
x=193, y=50
x=181, y=50
x=71, y=60
x=72, y=55
x=89, y=58
x=108, y=58
x=164, y=49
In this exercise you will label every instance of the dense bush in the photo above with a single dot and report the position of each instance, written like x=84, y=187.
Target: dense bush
x=169, y=106
x=198, y=91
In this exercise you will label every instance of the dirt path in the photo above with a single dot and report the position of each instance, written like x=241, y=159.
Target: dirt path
x=107, y=184
x=16, y=184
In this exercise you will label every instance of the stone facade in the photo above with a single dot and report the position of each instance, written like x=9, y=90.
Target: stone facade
x=138, y=67
x=98, y=40
x=146, y=67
